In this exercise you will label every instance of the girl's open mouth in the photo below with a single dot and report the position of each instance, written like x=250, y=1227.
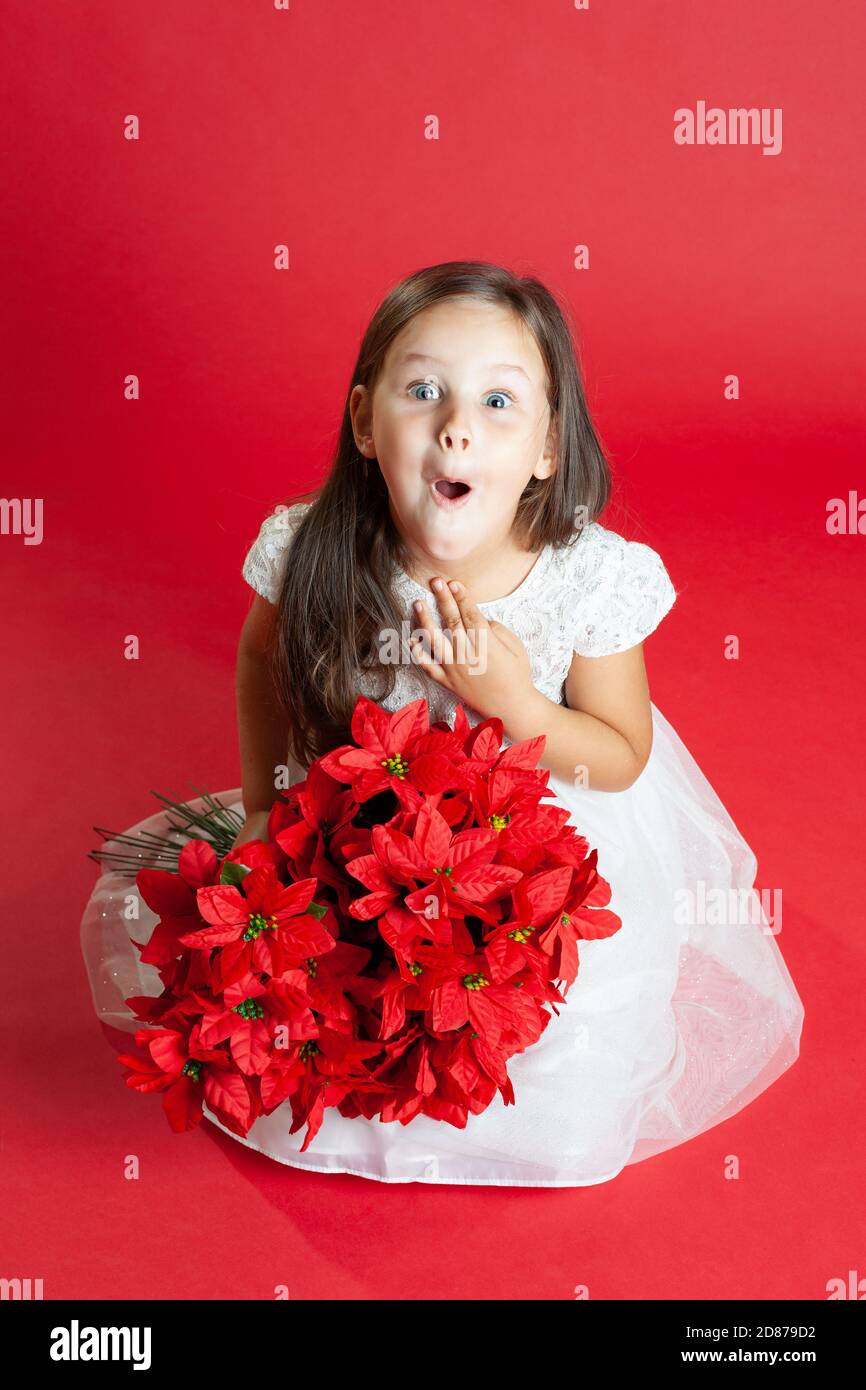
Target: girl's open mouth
x=450, y=492
x=451, y=489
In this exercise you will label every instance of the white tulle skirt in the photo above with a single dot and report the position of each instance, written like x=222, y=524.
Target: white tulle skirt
x=673, y=1024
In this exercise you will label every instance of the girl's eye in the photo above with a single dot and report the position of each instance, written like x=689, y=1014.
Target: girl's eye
x=430, y=385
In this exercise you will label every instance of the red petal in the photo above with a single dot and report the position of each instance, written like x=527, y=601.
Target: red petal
x=370, y=905
x=197, y=863
x=432, y=836
x=524, y=754
x=209, y=936
x=251, y=1048
x=368, y=870
x=294, y=900
x=449, y=1006
x=165, y=893
x=543, y=894
x=595, y=923
x=227, y=1095
x=432, y=774
x=182, y=1104
x=488, y=883
x=400, y=856
x=223, y=905
x=169, y=1051
x=407, y=725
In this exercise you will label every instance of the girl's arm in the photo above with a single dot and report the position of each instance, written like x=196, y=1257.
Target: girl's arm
x=606, y=728
x=263, y=733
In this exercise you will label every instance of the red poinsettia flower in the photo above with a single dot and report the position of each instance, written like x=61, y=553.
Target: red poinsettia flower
x=188, y=1073
x=397, y=995
x=456, y=874
x=331, y=979
x=485, y=754
x=396, y=752
x=251, y=1013
x=560, y=906
x=315, y=832
x=472, y=990
x=173, y=898
x=526, y=827
x=253, y=853
x=316, y=1073
x=183, y=979
x=264, y=928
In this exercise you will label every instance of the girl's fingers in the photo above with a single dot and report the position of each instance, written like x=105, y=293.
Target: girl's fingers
x=459, y=640
x=470, y=612
x=425, y=650
x=470, y=631
x=421, y=657
x=438, y=644
x=424, y=622
x=451, y=615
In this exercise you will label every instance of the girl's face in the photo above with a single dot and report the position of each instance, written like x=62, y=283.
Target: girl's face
x=460, y=402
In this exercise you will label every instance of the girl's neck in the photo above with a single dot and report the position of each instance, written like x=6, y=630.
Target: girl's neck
x=485, y=578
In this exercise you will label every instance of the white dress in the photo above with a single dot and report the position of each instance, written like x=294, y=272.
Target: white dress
x=673, y=1024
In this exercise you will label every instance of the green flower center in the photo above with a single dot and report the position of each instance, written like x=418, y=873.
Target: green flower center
x=448, y=872
x=308, y=1050
x=415, y=968
x=258, y=924
x=499, y=822
x=521, y=934
x=475, y=981
x=249, y=1008
x=396, y=765
x=312, y=965
x=192, y=1069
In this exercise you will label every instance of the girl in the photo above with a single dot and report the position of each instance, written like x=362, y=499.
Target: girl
x=461, y=514
x=461, y=509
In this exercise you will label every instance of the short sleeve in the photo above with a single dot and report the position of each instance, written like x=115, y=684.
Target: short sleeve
x=626, y=591
x=266, y=558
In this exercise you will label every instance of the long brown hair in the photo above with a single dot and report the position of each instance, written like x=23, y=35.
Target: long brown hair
x=336, y=596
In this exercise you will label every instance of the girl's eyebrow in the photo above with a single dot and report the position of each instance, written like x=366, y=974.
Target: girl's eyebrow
x=487, y=366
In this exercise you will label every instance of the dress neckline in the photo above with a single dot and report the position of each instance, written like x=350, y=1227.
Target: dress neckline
x=528, y=582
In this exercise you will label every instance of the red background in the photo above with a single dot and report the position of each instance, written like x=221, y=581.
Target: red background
x=155, y=257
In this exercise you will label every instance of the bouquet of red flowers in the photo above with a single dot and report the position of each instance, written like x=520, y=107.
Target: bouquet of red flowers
x=394, y=941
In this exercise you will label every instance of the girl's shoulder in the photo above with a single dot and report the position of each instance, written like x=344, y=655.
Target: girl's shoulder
x=263, y=565
x=597, y=551
x=620, y=590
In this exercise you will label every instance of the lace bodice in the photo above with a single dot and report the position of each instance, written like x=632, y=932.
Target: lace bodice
x=599, y=595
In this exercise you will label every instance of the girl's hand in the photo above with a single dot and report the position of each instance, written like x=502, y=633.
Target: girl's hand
x=482, y=662
x=255, y=827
